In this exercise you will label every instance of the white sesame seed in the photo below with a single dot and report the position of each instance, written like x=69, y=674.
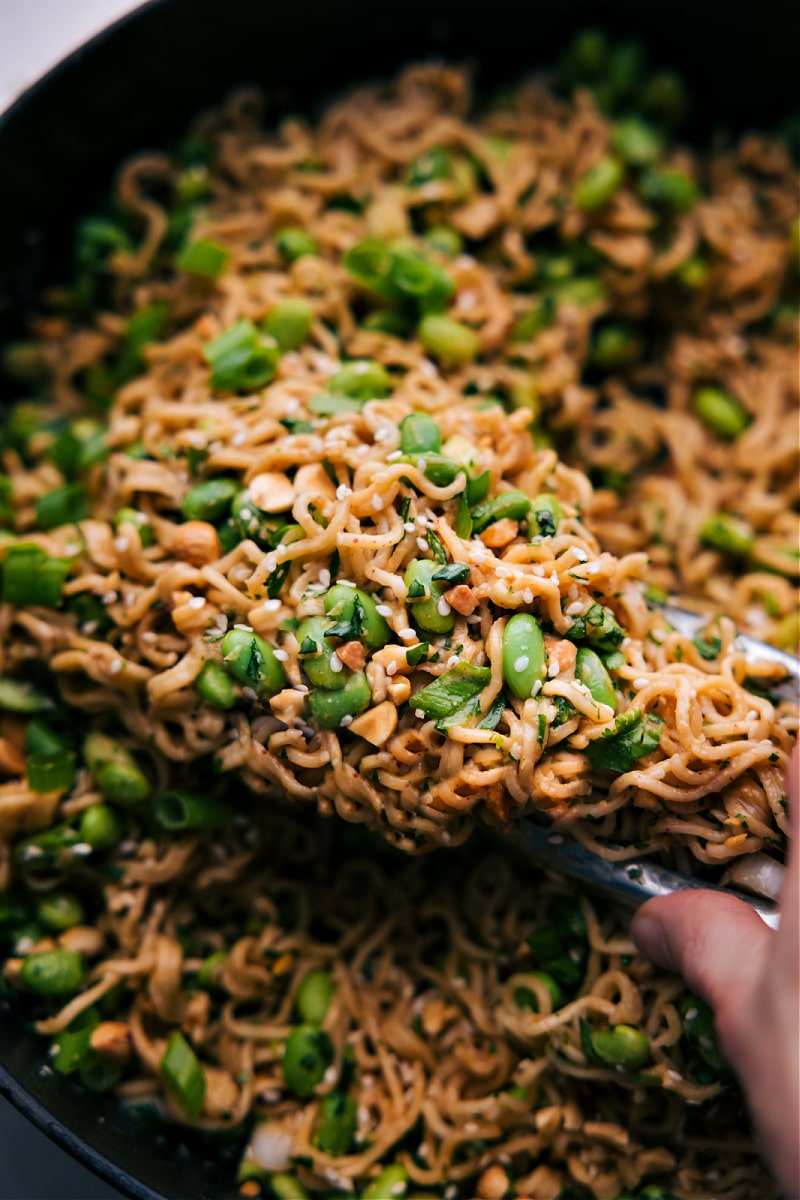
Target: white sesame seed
x=109, y=598
x=422, y=464
x=336, y=663
x=343, y=491
x=527, y=596
x=537, y=687
x=409, y=526
x=238, y=439
x=406, y=634
x=272, y=605
x=452, y=660
x=115, y=666
x=270, y=563
x=419, y=714
x=383, y=610
x=641, y=683
x=381, y=435
x=377, y=502
x=281, y=655
x=443, y=608
x=593, y=568
x=391, y=668
x=580, y=554
x=574, y=608
x=395, y=454
x=521, y=663
x=121, y=544
x=422, y=544
x=345, y=583
x=502, y=572
x=752, y=715
x=346, y=720
x=72, y=548
x=474, y=619
x=538, y=569
x=197, y=602
x=325, y=577
x=246, y=628
x=428, y=369
x=90, y=627
x=553, y=670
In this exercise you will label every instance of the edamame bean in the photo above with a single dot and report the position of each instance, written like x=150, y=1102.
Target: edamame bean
x=445, y=240
x=336, y=1124
x=114, y=770
x=21, y=697
x=357, y=608
x=524, y=656
x=57, y=972
x=306, y=1057
x=513, y=504
x=613, y=347
x=450, y=342
x=392, y=1182
x=210, y=500
x=252, y=661
x=294, y=243
x=317, y=655
x=525, y=997
x=621, y=1046
x=419, y=434
x=590, y=671
x=728, y=534
x=59, y=910
x=100, y=827
x=667, y=188
x=599, y=184
x=290, y=323
x=720, y=412
x=330, y=709
x=361, y=380
x=314, y=997
x=215, y=685
x=425, y=597
x=545, y=515
x=636, y=142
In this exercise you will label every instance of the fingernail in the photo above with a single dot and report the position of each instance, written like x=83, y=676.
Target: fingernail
x=648, y=933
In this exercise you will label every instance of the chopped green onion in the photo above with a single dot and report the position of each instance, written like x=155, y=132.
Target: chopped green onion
x=295, y=243
x=50, y=772
x=451, y=690
x=512, y=504
x=599, y=184
x=450, y=342
x=210, y=500
x=62, y=506
x=144, y=326
x=31, y=577
x=433, y=165
x=728, y=534
x=19, y=696
x=636, y=142
x=59, y=972
x=183, y=1075
x=241, y=358
x=204, y=258
x=668, y=188
x=361, y=380
x=176, y=810
x=329, y=406
x=290, y=323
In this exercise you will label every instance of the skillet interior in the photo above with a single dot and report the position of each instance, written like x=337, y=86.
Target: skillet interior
x=137, y=85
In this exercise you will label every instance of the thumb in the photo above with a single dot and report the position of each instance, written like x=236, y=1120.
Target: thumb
x=716, y=942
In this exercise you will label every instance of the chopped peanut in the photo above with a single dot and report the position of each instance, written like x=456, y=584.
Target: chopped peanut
x=377, y=724
x=548, y=1120
x=389, y=656
x=250, y=1188
x=84, y=939
x=11, y=970
x=353, y=655
x=287, y=705
x=221, y=1092
x=283, y=964
x=399, y=689
x=112, y=1039
x=561, y=652
x=476, y=220
x=196, y=542
x=272, y=491
x=11, y=761
x=377, y=681
x=312, y=477
x=500, y=534
x=462, y=598
x=493, y=1184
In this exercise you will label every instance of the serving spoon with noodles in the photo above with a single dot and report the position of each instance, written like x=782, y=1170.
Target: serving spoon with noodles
x=636, y=880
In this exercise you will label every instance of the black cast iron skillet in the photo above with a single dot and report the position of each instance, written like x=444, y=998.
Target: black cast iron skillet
x=136, y=86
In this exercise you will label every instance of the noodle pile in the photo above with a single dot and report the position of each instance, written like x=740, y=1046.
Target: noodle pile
x=403, y=439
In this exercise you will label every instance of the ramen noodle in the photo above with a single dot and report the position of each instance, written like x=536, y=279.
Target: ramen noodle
x=362, y=459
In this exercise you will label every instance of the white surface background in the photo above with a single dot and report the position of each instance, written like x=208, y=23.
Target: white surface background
x=35, y=34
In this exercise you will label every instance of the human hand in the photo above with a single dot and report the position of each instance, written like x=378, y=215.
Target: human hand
x=750, y=976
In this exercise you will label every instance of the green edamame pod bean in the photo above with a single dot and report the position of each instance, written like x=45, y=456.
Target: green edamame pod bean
x=720, y=412
x=290, y=323
x=53, y=972
x=545, y=515
x=100, y=827
x=252, y=661
x=590, y=671
x=314, y=997
x=59, y=910
x=425, y=597
x=361, y=380
x=306, y=1057
x=330, y=709
x=392, y=1181
x=215, y=685
x=599, y=184
x=621, y=1046
x=354, y=607
x=728, y=534
x=317, y=655
x=513, y=504
x=337, y=1123
x=450, y=342
x=636, y=142
x=419, y=434
x=524, y=656
x=114, y=770
x=294, y=243
x=667, y=188
x=210, y=500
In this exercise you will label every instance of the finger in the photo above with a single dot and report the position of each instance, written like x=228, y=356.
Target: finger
x=717, y=943
x=788, y=937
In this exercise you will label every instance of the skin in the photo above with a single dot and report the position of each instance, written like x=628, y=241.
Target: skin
x=750, y=976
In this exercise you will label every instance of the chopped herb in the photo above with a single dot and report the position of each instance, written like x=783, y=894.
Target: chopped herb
x=634, y=735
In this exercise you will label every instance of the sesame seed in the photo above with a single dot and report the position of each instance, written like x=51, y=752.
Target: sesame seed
x=452, y=660
x=377, y=502
x=752, y=715
x=422, y=464
x=527, y=596
x=443, y=608
x=343, y=491
x=272, y=605
x=580, y=554
x=422, y=544
x=115, y=666
x=538, y=569
x=336, y=663
x=246, y=628
x=641, y=682
x=381, y=435
x=593, y=568
x=281, y=655
x=522, y=663
x=395, y=454
x=537, y=687
x=391, y=668
x=574, y=608
x=270, y=563
x=409, y=526
x=406, y=634
x=109, y=598
x=553, y=670
x=474, y=619
x=419, y=714
x=325, y=577
x=428, y=369
x=121, y=544
x=238, y=439
x=383, y=610
x=197, y=602
x=346, y=720
x=345, y=583
x=502, y=572
x=90, y=627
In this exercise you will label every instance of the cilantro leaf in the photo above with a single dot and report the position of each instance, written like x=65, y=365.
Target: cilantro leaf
x=634, y=735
